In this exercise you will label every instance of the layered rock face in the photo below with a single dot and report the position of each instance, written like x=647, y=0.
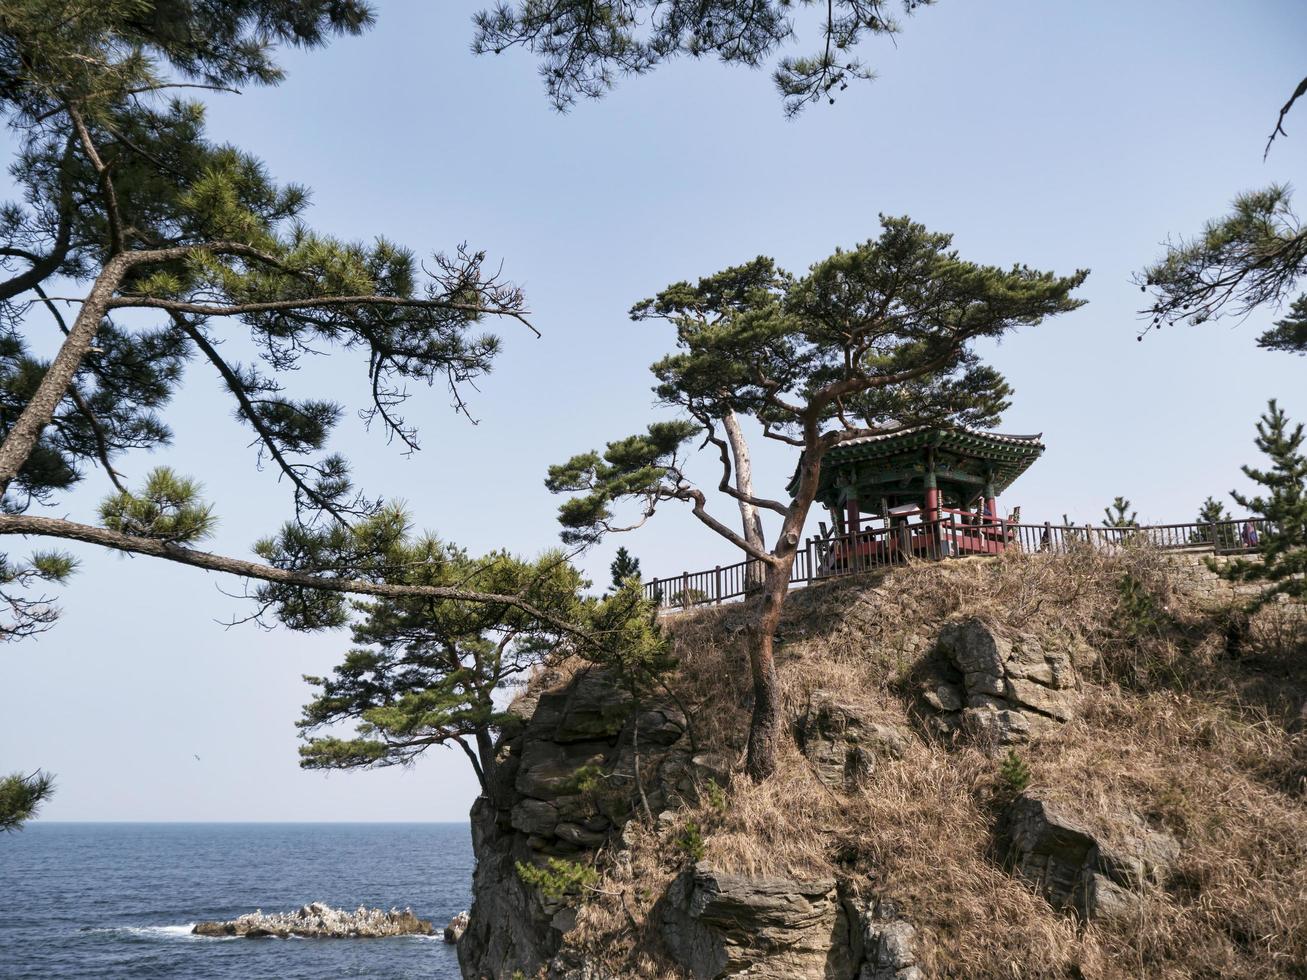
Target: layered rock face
x=997, y=689
x=719, y=925
x=843, y=743
x=566, y=784
x=1078, y=870
x=585, y=761
x=319, y=921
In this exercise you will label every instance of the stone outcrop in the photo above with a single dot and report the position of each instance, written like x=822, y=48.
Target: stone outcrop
x=722, y=925
x=881, y=942
x=319, y=921
x=566, y=784
x=994, y=688
x=457, y=926
x=1081, y=871
x=843, y=743
x=716, y=926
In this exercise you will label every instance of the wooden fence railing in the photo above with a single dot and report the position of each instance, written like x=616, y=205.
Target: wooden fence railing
x=838, y=555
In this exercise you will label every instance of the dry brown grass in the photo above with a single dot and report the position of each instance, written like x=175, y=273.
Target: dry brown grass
x=1176, y=725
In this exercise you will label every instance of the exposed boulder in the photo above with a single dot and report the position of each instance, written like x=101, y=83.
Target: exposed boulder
x=319, y=921
x=722, y=925
x=842, y=743
x=457, y=926
x=997, y=689
x=881, y=942
x=1092, y=874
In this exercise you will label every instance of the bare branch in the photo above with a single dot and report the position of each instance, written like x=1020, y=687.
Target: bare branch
x=1284, y=111
x=251, y=413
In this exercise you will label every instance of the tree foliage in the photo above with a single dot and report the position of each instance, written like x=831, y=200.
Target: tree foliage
x=1289, y=333
x=1212, y=511
x=433, y=672
x=21, y=796
x=878, y=336
x=1119, y=514
x=125, y=203
x=426, y=672
x=1282, y=545
x=1254, y=256
x=585, y=46
x=623, y=568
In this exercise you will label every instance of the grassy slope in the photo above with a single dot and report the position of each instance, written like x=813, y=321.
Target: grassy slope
x=1186, y=719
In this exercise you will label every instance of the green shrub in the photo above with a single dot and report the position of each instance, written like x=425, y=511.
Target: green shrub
x=715, y=795
x=690, y=842
x=1139, y=612
x=1014, y=773
x=558, y=877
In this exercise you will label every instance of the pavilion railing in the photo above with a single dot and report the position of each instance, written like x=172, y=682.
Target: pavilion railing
x=838, y=555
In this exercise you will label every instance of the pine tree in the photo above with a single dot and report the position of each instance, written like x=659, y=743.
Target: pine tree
x=427, y=672
x=1290, y=333
x=624, y=567
x=1119, y=514
x=1282, y=543
x=1214, y=524
x=21, y=796
x=585, y=47
x=127, y=203
x=880, y=334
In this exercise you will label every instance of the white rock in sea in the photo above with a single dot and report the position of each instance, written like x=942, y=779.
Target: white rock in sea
x=457, y=926
x=318, y=920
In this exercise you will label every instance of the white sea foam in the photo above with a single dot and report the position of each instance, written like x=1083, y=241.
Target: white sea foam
x=182, y=930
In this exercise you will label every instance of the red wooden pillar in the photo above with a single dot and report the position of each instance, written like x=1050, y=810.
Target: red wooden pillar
x=854, y=518
x=991, y=498
x=932, y=489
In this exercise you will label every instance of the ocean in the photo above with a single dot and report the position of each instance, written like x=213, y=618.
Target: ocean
x=118, y=899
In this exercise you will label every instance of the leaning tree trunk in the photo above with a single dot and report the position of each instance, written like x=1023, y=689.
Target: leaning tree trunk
x=765, y=723
x=40, y=409
x=754, y=574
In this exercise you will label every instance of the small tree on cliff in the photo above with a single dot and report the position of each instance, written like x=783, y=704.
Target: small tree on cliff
x=1283, y=542
x=881, y=334
x=1119, y=514
x=623, y=567
x=1211, y=512
x=430, y=672
x=426, y=671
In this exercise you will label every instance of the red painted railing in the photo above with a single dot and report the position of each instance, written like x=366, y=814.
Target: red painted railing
x=837, y=555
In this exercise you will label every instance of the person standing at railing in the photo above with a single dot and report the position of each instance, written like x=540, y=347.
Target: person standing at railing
x=1249, y=534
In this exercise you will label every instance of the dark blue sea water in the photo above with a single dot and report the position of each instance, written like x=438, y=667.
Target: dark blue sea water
x=117, y=900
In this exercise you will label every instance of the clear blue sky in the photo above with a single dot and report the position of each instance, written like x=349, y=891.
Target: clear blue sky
x=1060, y=135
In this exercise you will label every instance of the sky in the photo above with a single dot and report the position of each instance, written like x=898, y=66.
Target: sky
x=1059, y=135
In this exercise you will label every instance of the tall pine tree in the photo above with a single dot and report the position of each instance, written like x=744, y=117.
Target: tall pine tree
x=881, y=334
x=624, y=568
x=1282, y=544
x=1119, y=514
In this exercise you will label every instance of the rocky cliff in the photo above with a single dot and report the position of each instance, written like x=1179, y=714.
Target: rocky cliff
x=1040, y=766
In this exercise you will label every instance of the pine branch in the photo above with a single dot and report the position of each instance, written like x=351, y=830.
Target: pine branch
x=51, y=527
